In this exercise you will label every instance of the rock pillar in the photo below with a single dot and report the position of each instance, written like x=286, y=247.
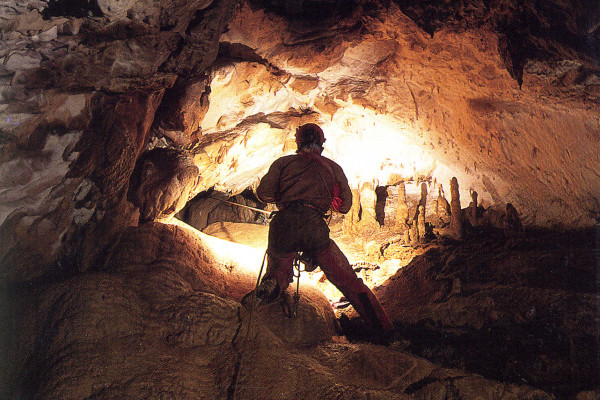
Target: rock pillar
x=442, y=208
x=456, y=220
x=351, y=220
x=402, y=207
x=420, y=222
x=513, y=228
x=368, y=202
x=473, y=208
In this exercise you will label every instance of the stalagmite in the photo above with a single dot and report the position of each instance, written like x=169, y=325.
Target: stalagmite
x=401, y=208
x=443, y=208
x=414, y=232
x=473, y=208
x=351, y=220
x=513, y=228
x=456, y=220
x=421, y=224
x=406, y=236
x=423, y=200
x=368, y=202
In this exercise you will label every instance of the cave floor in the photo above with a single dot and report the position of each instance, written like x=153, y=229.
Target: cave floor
x=519, y=310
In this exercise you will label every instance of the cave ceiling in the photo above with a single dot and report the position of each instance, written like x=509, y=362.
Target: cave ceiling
x=503, y=95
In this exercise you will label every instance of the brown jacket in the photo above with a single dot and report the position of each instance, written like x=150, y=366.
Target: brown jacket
x=307, y=177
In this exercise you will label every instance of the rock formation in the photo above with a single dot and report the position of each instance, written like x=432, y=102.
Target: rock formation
x=368, y=203
x=113, y=113
x=442, y=208
x=473, y=208
x=352, y=219
x=456, y=220
x=401, y=207
x=162, y=183
x=421, y=223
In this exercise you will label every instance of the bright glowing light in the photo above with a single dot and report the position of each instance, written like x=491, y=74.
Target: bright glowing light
x=239, y=259
x=372, y=147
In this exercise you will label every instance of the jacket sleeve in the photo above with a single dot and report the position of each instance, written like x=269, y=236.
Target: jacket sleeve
x=345, y=194
x=269, y=184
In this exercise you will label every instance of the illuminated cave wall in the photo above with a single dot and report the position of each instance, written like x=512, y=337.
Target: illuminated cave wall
x=399, y=105
x=503, y=96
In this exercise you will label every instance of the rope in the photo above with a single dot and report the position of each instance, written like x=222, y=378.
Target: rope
x=297, y=267
x=297, y=294
x=242, y=350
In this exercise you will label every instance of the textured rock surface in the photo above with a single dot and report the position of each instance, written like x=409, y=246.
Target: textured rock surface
x=504, y=95
x=162, y=183
x=396, y=102
x=161, y=320
x=515, y=311
x=412, y=91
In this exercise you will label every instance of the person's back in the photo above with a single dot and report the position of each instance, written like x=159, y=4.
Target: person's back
x=306, y=177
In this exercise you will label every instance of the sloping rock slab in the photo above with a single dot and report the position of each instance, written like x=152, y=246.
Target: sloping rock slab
x=150, y=326
x=520, y=311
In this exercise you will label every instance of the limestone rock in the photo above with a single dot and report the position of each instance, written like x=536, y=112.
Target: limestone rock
x=352, y=218
x=161, y=319
x=501, y=298
x=368, y=203
x=162, y=183
x=402, y=207
x=421, y=224
x=443, y=209
x=456, y=220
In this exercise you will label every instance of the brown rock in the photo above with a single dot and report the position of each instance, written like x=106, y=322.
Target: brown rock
x=421, y=224
x=473, y=208
x=162, y=183
x=401, y=207
x=352, y=218
x=443, y=208
x=179, y=116
x=456, y=220
x=368, y=204
x=513, y=227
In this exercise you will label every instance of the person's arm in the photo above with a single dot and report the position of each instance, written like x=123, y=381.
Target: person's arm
x=344, y=191
x=269, y=184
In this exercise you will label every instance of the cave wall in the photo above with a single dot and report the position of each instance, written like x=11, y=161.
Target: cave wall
x=500, y=94
x=400, y=104
x=405, y=94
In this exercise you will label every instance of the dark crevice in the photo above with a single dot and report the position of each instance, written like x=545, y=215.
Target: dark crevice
x=72, y=8
x=308, y=11
x=528, y=30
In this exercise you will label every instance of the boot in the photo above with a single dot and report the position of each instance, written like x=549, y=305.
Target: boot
x=279, y=274
x=280, y=268
x=339, y=272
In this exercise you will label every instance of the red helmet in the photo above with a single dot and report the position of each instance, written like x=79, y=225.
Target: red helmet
x=308, y=134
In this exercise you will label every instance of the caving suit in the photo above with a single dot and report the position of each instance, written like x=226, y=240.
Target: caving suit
x=304, y=187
